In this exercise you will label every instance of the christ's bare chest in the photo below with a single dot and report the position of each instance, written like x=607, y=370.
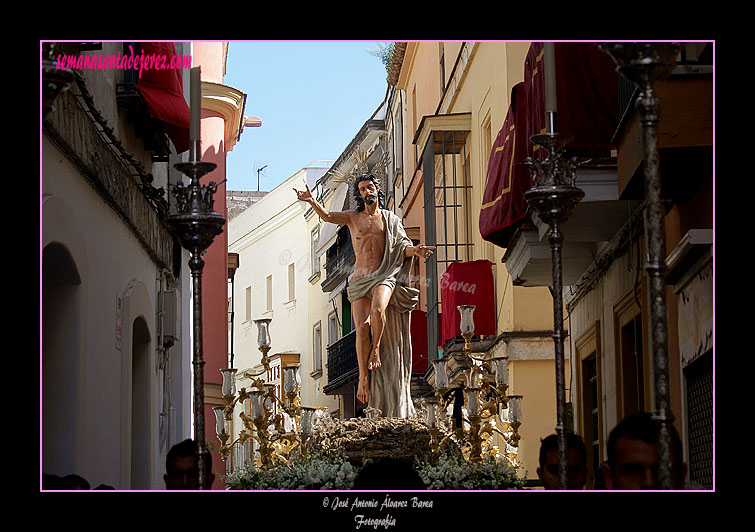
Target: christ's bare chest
x=369, y=233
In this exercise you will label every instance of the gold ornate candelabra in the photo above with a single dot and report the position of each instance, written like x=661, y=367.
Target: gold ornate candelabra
x=482, y=382
x=267, y=422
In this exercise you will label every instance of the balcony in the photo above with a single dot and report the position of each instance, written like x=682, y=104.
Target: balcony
x=614, y=189
x=343, y=369
x=594, y=222
x=131, y=101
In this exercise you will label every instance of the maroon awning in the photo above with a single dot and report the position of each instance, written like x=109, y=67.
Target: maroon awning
x=587, y=108
x=587, y=98
x=503, y=203
x=468, y=283
x=162, y=90
x=534, y=94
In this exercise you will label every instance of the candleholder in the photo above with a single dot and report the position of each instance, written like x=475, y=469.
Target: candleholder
x=643, y=64
x=483, y=387
x=278, y=426
x=553, y=196
x=196, y=225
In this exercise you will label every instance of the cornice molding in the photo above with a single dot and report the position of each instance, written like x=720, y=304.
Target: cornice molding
x=230, y=103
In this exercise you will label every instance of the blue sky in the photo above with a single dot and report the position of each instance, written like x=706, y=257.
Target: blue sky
x=312, y=97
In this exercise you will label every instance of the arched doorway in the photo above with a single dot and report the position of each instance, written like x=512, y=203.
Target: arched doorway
x=61, y=351
x=141, y=419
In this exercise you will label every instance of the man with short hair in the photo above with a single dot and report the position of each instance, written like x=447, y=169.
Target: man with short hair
x=576, y=460
x=182, y=467
x=633, y=458
x=380, y=295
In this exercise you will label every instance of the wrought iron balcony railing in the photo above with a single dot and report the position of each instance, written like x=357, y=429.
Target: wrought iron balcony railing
x=342, y=361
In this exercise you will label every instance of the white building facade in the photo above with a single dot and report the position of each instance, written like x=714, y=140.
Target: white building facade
x=273, y=245
x=115, y=346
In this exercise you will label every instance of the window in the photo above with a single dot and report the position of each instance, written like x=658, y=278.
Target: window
x=448, y=218
x=632, y=381
x=699, y=409
x=415, y=122
x=315, y=239
x=587, y=366
x=333, y=328
x=248, y=306
x=630, y=356
x=486, y=145
x=398, y=139
x=442, y=61
x=347, y=319
x=291, y=282
x=269, y=282
x=317, y=349
x=389, y=180
x=274, y=378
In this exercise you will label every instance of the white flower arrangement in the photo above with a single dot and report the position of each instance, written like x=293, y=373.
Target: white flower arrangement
x=327, y=467
x=453, y=472
x=315, y=473
x=449, y=472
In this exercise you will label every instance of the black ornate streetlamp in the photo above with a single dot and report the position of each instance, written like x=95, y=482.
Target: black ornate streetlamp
x=553, y=196
x=643, y=64
x=196, y=225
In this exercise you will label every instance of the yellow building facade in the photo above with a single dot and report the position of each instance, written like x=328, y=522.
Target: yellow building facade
x=467, y=86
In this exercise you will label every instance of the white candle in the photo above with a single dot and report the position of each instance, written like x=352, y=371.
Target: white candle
x=549, y=66
x=196, y=103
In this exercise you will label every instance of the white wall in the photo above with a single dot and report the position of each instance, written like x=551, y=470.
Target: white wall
x=269, y=236
x=113, y=266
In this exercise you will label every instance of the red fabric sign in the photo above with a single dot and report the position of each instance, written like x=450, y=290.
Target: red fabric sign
x=162, y=90
x=468, y=283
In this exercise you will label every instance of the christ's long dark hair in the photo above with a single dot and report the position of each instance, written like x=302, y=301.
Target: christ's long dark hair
x=358, y=198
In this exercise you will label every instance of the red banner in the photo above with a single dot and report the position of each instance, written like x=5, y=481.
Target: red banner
x=468, y=283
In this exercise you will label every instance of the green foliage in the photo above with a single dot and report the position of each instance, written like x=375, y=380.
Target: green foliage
x=384, y=52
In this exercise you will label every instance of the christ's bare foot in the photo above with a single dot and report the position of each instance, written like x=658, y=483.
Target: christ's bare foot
x=374, y=362
x=363, y=389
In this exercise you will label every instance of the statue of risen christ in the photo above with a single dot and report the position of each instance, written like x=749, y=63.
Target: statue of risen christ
x=380, y=270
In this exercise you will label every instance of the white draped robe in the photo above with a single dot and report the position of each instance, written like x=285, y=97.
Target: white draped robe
x=390, y=384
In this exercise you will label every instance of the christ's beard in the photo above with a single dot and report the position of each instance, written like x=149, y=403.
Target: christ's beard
x=370, y=199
